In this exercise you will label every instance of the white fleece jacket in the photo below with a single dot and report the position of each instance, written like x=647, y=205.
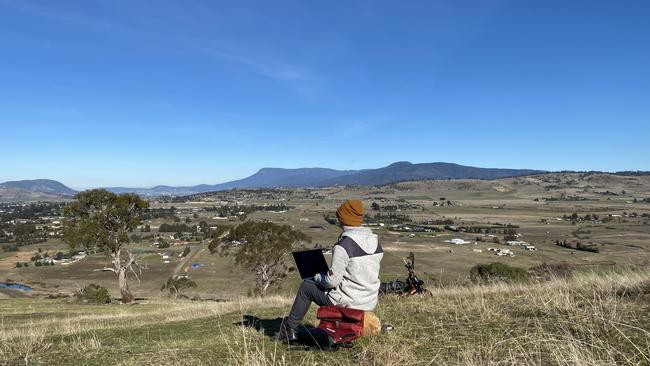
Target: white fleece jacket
x=354, y=274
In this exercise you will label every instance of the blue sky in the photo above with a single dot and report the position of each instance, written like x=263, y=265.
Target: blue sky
x=139, y=93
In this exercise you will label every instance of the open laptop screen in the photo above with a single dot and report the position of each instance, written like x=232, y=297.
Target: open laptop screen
x=310, y=262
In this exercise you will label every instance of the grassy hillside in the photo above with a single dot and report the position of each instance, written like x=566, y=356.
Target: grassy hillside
x=589, y=319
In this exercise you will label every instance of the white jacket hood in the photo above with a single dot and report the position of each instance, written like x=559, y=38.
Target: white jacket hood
x=363, y=236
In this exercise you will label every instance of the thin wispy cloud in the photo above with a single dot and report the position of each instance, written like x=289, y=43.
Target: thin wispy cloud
x=298, y=78
x=290, y=74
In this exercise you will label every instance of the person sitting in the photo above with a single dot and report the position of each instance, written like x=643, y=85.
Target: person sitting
x=353, y=278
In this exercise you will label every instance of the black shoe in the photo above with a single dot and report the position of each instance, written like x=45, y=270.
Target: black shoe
x=386, y=327
x=285, y=334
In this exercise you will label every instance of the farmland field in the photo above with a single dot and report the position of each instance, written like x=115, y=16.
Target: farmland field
x=539, y=208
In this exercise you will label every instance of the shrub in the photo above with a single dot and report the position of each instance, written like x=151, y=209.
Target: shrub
x=176, y=285
x=497, y=272
x=94, y=294
x=10, y=247
x=548, y=271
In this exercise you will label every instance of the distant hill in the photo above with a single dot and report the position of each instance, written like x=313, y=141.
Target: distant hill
x=403, y=170
x=47, y=186
x=322, y=177
x=264, y=178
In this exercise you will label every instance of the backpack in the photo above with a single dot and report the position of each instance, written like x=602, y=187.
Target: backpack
x=337, y=329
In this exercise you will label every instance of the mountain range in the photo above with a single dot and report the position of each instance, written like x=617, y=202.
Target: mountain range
x=46, y=186
x=299, y=178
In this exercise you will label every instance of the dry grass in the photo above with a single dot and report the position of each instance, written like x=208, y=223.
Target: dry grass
x=585, y=320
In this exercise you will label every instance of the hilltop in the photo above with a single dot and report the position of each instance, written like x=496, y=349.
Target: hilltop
x=586, y=319
x=598, y=316
x=46, y=186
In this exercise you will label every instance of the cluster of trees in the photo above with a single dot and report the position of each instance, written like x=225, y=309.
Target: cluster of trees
x=258, y=194
x=510, y=234
x=400, y=206
x=244, y=210
x=577, y=246
x=437, y=222
x=8, y=231
x=493, y=239
x=488, y=230
x=26, y=233
x=175, y=228
x=609, y=193
x=389, y=218
x=575, y=217
x=158, y=213
x=32, y=211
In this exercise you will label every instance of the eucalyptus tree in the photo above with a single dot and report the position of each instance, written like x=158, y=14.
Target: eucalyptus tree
x=102, y=220
x=262, y=248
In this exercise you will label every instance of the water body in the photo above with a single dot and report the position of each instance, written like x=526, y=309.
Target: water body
x=15, y=286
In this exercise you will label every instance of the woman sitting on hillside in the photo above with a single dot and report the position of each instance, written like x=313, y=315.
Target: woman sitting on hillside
x=353, y=278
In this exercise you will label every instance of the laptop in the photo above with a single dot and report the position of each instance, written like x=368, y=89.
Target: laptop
x=310, y=262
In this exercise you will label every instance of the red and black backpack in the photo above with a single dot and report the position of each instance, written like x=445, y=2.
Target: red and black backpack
x=338, y=327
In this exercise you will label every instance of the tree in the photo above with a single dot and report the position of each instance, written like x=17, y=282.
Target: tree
x=101, y=219
x=262, y=248
x=176, y=285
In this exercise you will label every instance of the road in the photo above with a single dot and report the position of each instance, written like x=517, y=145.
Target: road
x=194, y=251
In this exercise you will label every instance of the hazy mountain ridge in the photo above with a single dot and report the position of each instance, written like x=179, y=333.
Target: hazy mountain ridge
x=47, y=186
x=405, y=171
x=322, y=177
x=297, y=178
x=293, y=178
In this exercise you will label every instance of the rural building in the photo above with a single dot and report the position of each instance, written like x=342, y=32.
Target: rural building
x=516, y=243
x=457, y=241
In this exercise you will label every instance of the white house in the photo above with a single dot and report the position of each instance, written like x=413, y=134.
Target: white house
x=516, y=243
x=457, y=241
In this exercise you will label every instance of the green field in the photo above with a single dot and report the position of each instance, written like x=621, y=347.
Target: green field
x=625, y=239
x=589, y=319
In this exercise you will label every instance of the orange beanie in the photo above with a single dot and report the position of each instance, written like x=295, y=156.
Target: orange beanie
x=350, y=213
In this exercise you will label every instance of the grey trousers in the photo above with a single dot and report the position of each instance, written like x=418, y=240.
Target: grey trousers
x=308, y=292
